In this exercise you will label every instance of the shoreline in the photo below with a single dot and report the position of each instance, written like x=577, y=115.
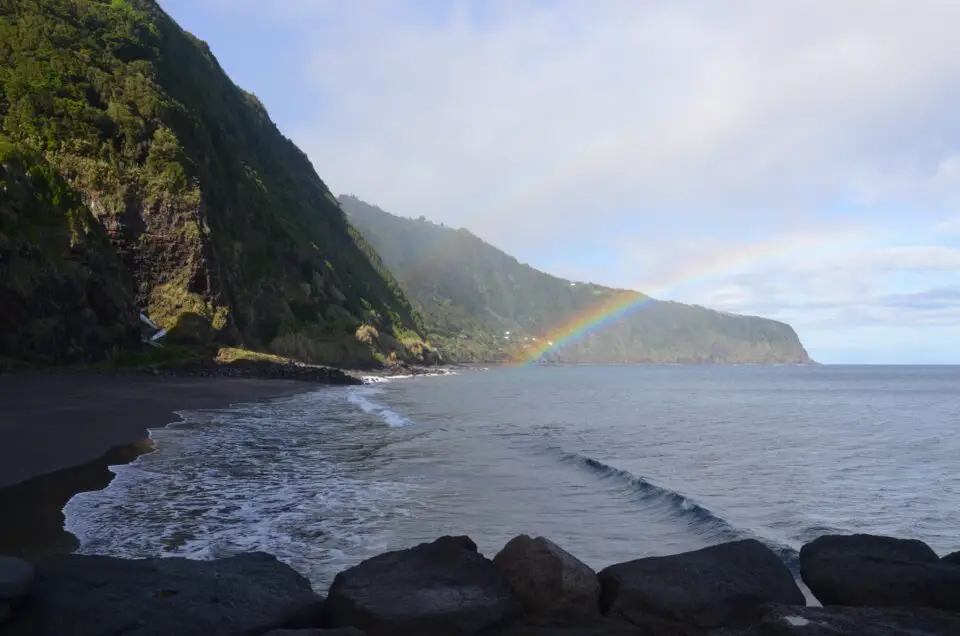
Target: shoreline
x=61, y=432
x=52, y=449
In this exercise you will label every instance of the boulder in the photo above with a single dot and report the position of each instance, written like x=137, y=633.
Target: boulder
x=440, y=588
x=872, y=571
x=705, y=588
x=557, y=625
x=547, y=578
x=849, y=621
x=343, y=631
x=16, y=577
x=94, y=595
x=953, y=558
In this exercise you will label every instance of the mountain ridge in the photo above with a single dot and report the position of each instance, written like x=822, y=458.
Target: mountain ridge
x=471, y=294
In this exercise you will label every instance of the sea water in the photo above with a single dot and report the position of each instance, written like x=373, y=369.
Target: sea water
x=612, y=463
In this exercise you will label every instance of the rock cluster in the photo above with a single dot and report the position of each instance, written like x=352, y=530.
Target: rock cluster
x=261, y=369
x=868, y=585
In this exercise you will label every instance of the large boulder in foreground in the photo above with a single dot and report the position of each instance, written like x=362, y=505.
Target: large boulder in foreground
x=94, y=595
x=953, y=558
x=342, y=631
x=705, y=588
x=781, y=620
x=440, y=588
x=548, y=579
x=873, y=571
x=559, y=625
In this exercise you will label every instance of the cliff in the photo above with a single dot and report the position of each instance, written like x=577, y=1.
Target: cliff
x=471, y=294
x=64, y=295
x=226, y=230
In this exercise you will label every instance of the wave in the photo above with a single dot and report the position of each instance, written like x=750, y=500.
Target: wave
x=360, y=397
x=379, y=379
x=683, y=507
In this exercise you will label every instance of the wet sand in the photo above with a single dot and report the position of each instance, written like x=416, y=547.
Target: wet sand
x=59, y=433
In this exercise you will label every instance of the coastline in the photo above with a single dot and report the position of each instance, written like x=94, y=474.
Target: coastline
x=60, y=433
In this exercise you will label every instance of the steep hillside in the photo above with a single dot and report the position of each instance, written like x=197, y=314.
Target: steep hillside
x=63, y=293
x=471, y=294
x=227, y=230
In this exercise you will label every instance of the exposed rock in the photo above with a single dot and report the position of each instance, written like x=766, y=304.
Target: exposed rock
x=873, y=571
x=260, y=369
x=598, y=626
x=440, y=588
x=953, y=558
x=93, y=596
x=705, y=588
x=342, y=631
x=869, y=546
x=850, y=621
x=16, y=576
x=547, y=578
x=64, y=296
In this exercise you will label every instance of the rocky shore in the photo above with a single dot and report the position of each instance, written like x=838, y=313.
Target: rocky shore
x=868, y=585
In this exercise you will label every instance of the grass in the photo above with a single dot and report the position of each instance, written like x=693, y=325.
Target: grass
x=229, y=355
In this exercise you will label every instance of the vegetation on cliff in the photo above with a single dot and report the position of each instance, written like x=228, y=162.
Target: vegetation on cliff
x=229, y=234
x=64, y=295
x=472, y=294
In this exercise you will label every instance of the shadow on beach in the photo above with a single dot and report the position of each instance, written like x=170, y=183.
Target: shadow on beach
x=32, y=511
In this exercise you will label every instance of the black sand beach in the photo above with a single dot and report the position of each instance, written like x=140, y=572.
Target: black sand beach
x=60, y=432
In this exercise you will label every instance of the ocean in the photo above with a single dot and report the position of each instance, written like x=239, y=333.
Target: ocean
x=612, y=463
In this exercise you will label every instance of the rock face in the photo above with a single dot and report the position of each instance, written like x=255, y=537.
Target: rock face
x=64, y=296
x=92, y=596
x=782, y=620
x=953, y=558
x=440, y=588
x=547, y=578
x=873, y=571
x=705, y=588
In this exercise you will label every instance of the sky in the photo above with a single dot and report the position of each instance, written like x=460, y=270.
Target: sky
x=797, y=159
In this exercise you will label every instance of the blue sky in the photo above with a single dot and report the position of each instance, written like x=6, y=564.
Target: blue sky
x=798, y=159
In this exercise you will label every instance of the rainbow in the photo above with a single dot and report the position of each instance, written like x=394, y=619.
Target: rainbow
x=627, y=302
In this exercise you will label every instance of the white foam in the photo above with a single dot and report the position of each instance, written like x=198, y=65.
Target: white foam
x=378, y=379
x=361, y=397
x=266, y=477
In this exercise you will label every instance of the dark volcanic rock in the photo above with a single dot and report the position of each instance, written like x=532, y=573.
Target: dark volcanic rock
x=16, y=576
x=850, y=621
x=93, y=596
x=343, y=631
x=953, y=558
x=705, y=588
x=440, y=588
x=872, y=571
x=547, y=578
x=868, y=546
x=597, y=626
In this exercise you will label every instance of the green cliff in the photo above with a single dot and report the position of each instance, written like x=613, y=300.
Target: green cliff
x=471, y=294
x=64, y=296
x=226, y=230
